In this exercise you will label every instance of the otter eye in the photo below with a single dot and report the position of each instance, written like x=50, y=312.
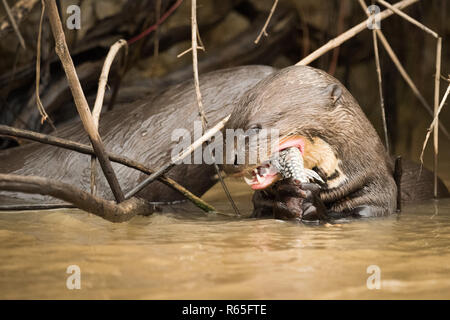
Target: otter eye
x=255, y=128
x=335, y=92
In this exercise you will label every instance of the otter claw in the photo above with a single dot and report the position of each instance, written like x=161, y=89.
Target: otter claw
x=312, y=175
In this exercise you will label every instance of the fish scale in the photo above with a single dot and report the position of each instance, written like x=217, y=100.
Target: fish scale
x=289, y=164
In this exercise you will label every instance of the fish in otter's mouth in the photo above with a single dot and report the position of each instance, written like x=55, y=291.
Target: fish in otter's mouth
x=284, y=164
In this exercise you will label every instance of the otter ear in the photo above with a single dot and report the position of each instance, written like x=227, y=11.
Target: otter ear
x=335, y=92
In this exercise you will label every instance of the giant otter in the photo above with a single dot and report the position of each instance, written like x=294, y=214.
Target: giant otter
x=308, y=106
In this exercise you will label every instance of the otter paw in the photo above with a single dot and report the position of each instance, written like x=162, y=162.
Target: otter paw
x=295, y=200
x=262, y=204
x=313, y=207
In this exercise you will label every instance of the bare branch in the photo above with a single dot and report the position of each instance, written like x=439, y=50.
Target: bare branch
x=194, y=36
x=380, y=89
x=433, y=123
x=333, y=43
x=100, y=95
x=104, y=78
x=40, y=106
x=408, y=18
x=403, y=73
x=197, y=144
x=436, y=114
x=264, y=29
x=380, y=83
x=188, y=50
x=80, y=100
x=195, y=63
x=82, y=148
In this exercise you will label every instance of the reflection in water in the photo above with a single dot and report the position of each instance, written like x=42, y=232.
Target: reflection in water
x=197, y=256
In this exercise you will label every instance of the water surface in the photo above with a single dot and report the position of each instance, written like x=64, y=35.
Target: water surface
x=195, y=256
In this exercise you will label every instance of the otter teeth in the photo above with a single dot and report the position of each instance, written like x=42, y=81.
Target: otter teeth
x=249, y=181
x=259, y=178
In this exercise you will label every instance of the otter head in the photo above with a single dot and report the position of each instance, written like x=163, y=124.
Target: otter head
x=295, y=107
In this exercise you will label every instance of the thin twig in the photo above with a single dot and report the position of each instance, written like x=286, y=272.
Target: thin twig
x=380, y=83
x=404, y=74
x=264, y=29
x=436, y=108
x=179, y=158
x=194, y=36
x=123, y=67
x=80, y=100
x=202, y=46
x=195, y=63
x=380, y=90
x=14, y=24
x=103, y=80
x=40, y=106
x=333, y=43
x=408, y=18
x=433, y=123
x=189, y=50
x=85, y=149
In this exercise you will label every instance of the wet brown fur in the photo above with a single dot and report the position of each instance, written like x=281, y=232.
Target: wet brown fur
x=308, y=102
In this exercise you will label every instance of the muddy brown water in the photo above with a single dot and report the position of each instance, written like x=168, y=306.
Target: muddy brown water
x=198, y=256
